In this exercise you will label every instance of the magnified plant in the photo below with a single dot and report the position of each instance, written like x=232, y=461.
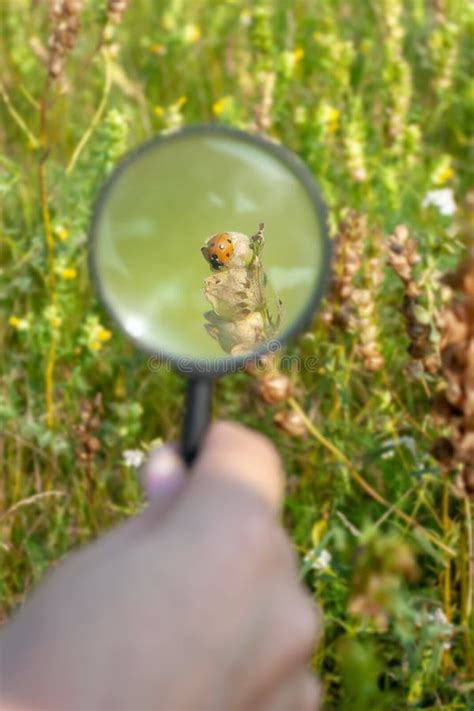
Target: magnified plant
x=245, y=311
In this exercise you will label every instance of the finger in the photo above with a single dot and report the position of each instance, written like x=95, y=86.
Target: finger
x=241, y=456
x=164, y=474
x=300, y=693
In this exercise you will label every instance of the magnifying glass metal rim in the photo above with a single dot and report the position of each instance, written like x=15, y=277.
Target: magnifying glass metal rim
x=215, y=367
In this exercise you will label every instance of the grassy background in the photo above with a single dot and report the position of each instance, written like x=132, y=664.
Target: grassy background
x=376, y=98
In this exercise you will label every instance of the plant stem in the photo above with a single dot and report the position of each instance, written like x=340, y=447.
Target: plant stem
x=95, y=119
x=48, y=232
x=470, y=561
x=446, y=574
x=17, y=118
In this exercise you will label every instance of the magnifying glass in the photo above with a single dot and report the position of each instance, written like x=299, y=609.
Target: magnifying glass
x=209, y=248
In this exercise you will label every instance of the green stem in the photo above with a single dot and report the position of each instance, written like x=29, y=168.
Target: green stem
x=95, y=119
x=34, y=143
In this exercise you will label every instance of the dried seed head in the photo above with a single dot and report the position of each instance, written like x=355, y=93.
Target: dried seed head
x=88, y=443
x=93, y=444
x=402, y=256
x=347, y=260
x=351, y=307
x=264, y=364
x=116, y=10
x=364, y=320
x=456, y=403
x=65, y=26
x=274, y=388
x=374, y=363
x=291, y=422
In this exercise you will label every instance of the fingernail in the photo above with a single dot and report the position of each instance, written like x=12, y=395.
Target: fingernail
x=163, y=473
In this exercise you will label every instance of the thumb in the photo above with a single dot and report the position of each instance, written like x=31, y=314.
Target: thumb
x=164, y=476
x=238, y=455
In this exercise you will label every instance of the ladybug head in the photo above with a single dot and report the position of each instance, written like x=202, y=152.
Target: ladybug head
x=215, y=262
x=211, y=258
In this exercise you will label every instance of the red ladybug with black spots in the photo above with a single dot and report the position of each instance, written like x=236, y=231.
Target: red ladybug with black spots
x=219, y=250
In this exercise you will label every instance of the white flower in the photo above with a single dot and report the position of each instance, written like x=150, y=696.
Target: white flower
x=442, y=199
x=133, y=457
x=245, y=18
x=320, y=562
x=438, y=616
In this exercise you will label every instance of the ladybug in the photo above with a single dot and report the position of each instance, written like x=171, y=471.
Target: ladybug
x=219, y=250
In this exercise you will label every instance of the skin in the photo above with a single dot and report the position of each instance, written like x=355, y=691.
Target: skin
x=194, y=605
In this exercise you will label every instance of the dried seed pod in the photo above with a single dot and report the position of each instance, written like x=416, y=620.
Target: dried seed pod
x=88, y=443
x=264, y=364
x=116, y=10
x=274, y=387
x=265, y=87
x=93, y=444
x=291, y=422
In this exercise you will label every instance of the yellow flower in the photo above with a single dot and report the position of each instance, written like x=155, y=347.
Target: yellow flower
x=333, y=119
x=443, y=174
x=181, y=102
x=191, y=33
x=51, y=314
x=158, y=49
x=219, y=106
x=99, y=337
x=61, y=232
x=68, y=273
x=159, y=111
x=96, y=334
x=298, y=54
x=19, y=324
x=224, y=105
x=103, y=334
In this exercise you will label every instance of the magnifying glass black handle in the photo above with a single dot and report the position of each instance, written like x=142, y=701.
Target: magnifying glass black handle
x=197, y=416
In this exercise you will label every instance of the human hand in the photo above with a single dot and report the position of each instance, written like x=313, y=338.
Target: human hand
x=194, y=605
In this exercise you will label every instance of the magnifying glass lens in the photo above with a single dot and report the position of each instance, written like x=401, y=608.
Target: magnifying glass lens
x=208, y=243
